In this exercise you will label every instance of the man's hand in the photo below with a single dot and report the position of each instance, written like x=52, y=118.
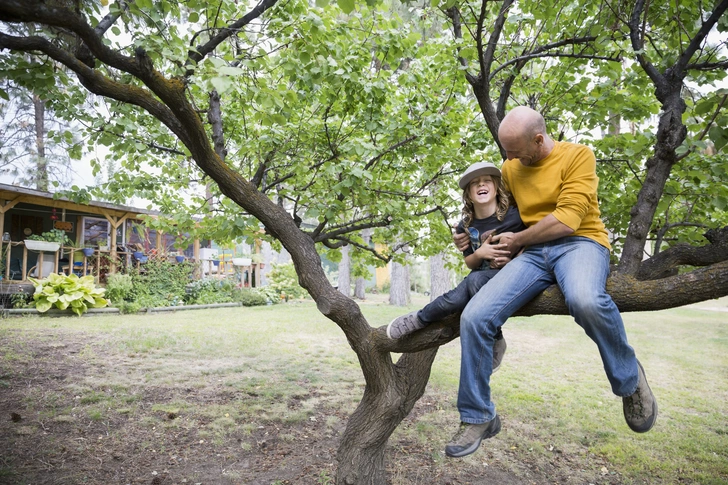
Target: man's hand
x=507, y=242
x=461, y=240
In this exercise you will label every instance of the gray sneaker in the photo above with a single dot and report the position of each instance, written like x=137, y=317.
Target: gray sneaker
x=640, y=409
x=469, y=437
x=499, y=350
x=404, y=325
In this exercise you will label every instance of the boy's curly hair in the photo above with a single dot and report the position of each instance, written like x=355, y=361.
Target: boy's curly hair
x=502, y=202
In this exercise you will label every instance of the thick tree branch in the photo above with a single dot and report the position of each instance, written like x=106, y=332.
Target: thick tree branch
x=684, y=254
x=214, y=116
x=630, y=295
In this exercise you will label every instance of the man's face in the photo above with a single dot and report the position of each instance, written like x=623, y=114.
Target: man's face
x=527, y=151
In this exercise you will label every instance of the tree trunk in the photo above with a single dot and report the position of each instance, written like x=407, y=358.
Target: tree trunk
x=440, y=279
x=345, y=272
x=360, y=288
x=41, y=176
x=389, y=396
x=399, y=288
x=360, y=285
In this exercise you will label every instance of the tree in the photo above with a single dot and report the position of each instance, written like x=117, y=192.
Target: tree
x=35, y=149
x=333, y=132
x=345, y=272
x=440, y=281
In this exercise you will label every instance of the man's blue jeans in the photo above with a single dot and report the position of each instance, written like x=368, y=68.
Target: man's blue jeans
x=580, y=267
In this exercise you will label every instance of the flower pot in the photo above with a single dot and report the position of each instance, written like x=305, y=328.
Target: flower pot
x=42, y=245
x=179, y=258
x=88, y=252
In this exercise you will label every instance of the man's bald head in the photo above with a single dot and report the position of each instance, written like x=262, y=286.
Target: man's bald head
x=522, y=121
x=522, y=134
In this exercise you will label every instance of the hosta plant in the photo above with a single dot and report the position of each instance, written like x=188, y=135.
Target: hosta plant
x=67, y=291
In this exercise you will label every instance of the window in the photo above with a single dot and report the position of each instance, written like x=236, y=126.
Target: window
x=95, y=231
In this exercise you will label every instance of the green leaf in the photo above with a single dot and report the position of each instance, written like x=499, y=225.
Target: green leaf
x=221, y=84
x=347, y=6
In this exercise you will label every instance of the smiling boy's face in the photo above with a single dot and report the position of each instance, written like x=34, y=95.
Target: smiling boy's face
x=482, y=189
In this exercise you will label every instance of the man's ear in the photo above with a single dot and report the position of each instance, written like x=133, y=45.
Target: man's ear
x=538, y=139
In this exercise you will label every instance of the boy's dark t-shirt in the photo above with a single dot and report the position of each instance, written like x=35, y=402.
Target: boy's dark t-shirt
x=480, y=229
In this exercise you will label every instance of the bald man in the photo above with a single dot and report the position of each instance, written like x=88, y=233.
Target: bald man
x=554, y=185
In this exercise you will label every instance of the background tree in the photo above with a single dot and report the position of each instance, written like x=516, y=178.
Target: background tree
x=322, y=141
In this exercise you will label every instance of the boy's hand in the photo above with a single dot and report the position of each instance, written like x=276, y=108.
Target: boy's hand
x=500, y=262
x=497, y=254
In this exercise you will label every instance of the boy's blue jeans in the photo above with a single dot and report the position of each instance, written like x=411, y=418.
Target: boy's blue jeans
x=455, y=300
x=580, y=267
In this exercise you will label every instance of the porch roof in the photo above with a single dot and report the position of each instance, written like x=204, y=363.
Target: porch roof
x=11, y=195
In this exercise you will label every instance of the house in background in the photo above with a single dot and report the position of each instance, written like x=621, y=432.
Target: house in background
x=105, y=238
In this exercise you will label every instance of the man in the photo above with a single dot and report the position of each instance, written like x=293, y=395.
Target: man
x=554, y=185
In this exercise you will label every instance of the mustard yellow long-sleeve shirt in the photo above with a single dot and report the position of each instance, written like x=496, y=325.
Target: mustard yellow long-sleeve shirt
x=563, y=184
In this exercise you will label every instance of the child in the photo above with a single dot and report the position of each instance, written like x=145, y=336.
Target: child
x=486, y=212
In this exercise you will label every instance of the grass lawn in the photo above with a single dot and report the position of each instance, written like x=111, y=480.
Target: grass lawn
x=260, y=395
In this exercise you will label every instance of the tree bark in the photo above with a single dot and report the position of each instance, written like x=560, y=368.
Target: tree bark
x=41, y=175
x=440, y=280
x=384, y=405
x=345, y=272
x=360, y=285
x=399, y=285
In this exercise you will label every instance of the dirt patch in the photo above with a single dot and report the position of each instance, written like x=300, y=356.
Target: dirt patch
x=61, y=422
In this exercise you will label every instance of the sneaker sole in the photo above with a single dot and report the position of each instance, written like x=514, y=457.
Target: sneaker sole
x=389, y=329
x=472, y=448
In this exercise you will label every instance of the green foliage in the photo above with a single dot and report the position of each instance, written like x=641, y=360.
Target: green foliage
x=54, y=235
x=128, y=306
x=119, y=287
x=250, y=297
x=20, y=299
x=207, y=291
x=67, y=291
x=283, y=283
x=353, y=114
x=160, y=283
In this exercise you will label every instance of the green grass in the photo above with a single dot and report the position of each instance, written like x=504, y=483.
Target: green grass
x=282, y=363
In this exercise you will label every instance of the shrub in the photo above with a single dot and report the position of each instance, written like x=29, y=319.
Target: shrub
x=250, y=297
x=160, y=283
x=209, y=291
x=67, y=291
x=128, y=306
x=283, y=281
x=119, y=287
